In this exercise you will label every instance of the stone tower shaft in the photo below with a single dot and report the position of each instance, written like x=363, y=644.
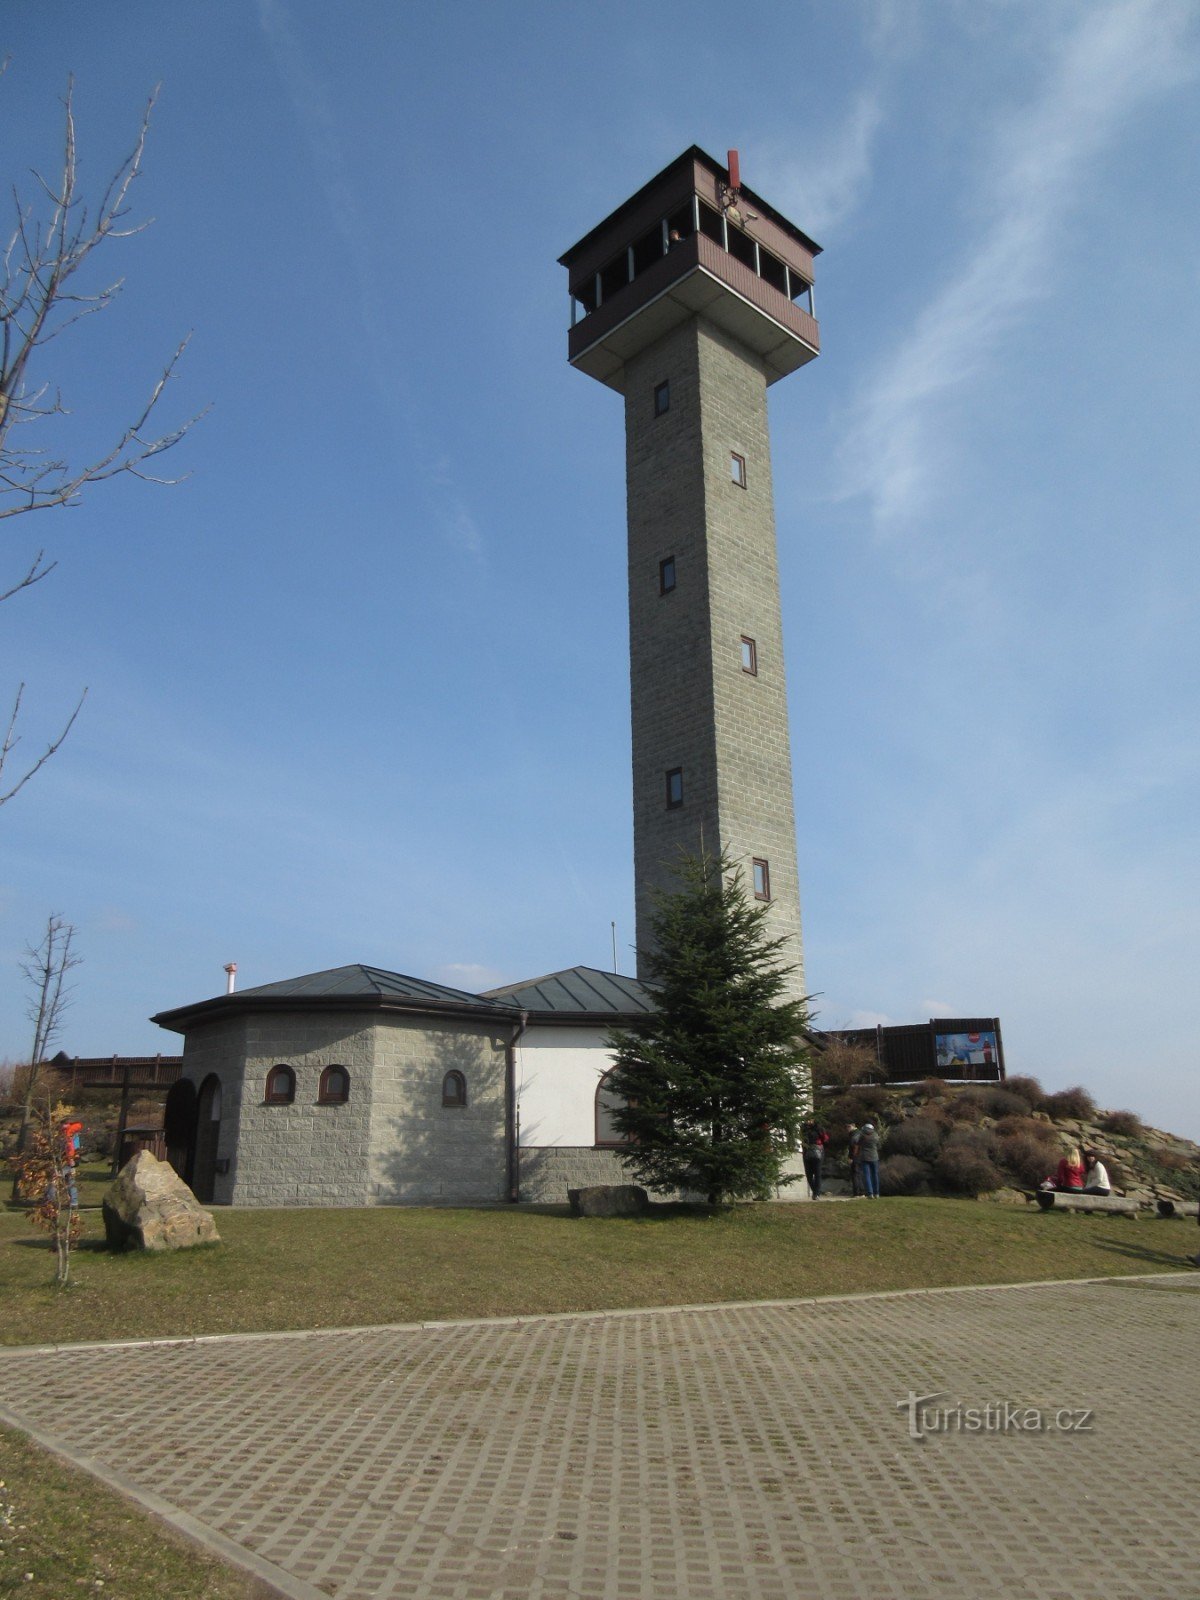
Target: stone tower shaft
x=690, y=299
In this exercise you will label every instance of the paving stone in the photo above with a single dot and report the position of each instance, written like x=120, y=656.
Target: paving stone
x=738, y=1451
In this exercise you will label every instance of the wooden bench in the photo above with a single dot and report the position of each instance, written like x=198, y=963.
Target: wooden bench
x=1179, y=1208
x=1076, y=1200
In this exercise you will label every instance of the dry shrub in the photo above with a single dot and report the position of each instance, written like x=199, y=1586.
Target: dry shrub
x=982, y=1141
x=961, y=1109
x=994, y=1102
x=1075, y=1103
x=841, y=1064
x=1027, y=1157
x=1029, y=1089
x=904, y=1175
x=868, y=1103
x=1029, y=1125
x=938, y=1112
x=966, y=1171
x=920, y=1137
x=931, y=1089
x=1125, y=1123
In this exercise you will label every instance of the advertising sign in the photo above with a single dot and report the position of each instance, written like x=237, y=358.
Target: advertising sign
x=966, y=1050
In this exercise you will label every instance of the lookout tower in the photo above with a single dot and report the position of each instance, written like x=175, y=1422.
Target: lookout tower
x=690, y=299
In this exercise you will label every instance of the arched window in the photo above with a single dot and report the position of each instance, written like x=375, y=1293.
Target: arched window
x=335, y=1087
x=608, y=1136
x=454, y=1090
x=281, y=1086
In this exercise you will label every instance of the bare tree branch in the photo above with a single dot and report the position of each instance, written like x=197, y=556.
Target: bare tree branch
x=39, y=568
x=12, y=738
x=45, y=969
x=53, y=237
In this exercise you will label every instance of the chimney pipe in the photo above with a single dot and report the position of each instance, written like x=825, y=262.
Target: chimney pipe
x=230, y=976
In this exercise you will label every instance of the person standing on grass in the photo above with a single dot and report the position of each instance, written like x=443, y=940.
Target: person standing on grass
x=868, y=1160
x=852, y=1139
x=813, y=1142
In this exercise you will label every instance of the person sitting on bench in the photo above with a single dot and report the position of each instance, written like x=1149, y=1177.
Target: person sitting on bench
x=1096, y=1179
x=1070, y=1171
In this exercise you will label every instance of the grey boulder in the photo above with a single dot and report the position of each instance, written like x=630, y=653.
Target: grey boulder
x=608, y=1200
x=149, y=1207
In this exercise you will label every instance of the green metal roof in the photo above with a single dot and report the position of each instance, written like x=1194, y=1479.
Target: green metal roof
x=357, y=980
x=577, y=994
x=577, y=990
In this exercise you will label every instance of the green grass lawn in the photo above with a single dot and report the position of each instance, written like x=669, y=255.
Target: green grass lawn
x=330, y=1268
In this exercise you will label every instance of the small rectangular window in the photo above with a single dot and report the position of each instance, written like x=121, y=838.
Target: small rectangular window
x=666, y=575
x=749, y=656
x=674, y=788
x=737, y=469
x=662, y=398
x=762, y=879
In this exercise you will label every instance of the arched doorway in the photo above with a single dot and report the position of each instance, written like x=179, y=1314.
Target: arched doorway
x=208, y=1133
x=179, y=1127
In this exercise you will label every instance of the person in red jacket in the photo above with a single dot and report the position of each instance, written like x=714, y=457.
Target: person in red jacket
x=1070, y=1171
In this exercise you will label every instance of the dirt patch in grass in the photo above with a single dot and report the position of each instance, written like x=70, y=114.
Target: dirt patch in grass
x=290, y=1269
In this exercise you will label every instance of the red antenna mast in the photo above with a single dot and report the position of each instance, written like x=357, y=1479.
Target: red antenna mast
x=735, y=172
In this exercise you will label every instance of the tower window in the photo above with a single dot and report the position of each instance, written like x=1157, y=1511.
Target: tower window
x=737, y=469
x=662, y=398
x=454, y=1090
x=674, y=788
x=666, y=575
x=749, y=656
x=762, y=879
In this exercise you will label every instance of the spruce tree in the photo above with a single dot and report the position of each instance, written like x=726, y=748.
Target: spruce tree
x=710, y=1088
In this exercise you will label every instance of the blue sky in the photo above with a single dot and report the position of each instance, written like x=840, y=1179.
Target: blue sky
x=358, y=686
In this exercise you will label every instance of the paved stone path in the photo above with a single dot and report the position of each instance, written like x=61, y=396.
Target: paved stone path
x=711, y=1453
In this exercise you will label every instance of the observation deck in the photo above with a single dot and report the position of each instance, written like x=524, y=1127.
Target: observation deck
x=691, y=243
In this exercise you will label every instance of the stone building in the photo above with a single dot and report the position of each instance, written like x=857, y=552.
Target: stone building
x=357, y=1086
x=361, y=1087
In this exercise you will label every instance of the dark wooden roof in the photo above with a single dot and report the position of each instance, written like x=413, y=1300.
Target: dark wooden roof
x=691, y=154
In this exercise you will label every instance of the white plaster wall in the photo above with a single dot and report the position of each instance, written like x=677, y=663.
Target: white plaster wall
x=557, y=1073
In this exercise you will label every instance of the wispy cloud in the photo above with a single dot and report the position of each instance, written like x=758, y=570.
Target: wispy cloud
x=1115, y=60
x=824, y=184
x=317, y=120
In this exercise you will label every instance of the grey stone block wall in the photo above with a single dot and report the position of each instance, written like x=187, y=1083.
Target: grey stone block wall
x=393, y=1142
x=548, y=1171
x=304, y=1153
x=692, y=704
x=425, y=1153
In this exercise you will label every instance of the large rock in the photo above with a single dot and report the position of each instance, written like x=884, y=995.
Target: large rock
x=149, y=1207
x=608, y=1200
